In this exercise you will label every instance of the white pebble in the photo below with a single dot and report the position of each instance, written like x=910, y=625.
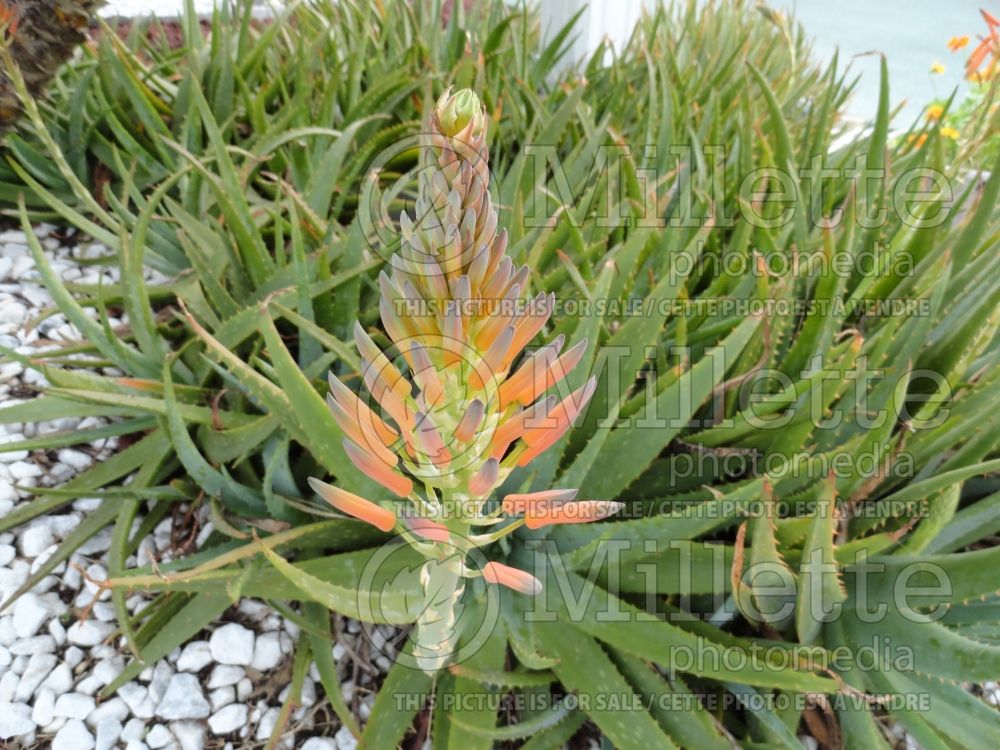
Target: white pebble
x=232, y=644
x=74, y=735
x=134, y=729
x=267, y=722
x=159, y=736
x=161, y=679
x=223, y=675
x=43, y=710
x=34, y=645
x=15, y=720
x=222, y=696
x=89, y=685
x=319, y=743
x=30, y=611
x=345, y=740
x=113, y=708
x=244, y=688
x=75, y=459
x=88, y=632
x=183, y=699
x=57, y=631
x=196, y=656
x=228, y=719
x=74, y=706
x=189, y=734
x=267, y=652
x=137, y=698
x=107, y=670
x=37, y=537
x=38, y=669
x=59, y=681
x=109, y=729
x=8, y=686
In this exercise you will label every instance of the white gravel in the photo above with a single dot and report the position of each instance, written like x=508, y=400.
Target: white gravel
x=59, y=644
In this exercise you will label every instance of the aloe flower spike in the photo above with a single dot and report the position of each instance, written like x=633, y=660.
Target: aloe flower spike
x=459, y=403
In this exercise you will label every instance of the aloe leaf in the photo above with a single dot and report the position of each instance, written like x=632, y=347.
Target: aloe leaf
x=555, y=737
x=629, y=452
x=585, y=669
x=637, y=632
x=395, y=604
x=323, y=656
x=215, y=483
x=324, y=435
x=819, y=585
x=404, y=692
x=692, y=725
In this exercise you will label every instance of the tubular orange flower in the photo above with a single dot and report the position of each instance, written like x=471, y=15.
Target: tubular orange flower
x=377, y=470
x=582, y=511
x=352, y=505
x=512, y=578
x=515, y=505
x=428, y=529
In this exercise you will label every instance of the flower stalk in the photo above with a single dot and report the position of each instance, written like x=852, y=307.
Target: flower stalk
x=471, y=406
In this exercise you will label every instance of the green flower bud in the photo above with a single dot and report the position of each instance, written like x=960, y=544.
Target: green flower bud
x=455, y=112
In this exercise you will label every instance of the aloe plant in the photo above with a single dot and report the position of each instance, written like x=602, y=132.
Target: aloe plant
x=225, y=383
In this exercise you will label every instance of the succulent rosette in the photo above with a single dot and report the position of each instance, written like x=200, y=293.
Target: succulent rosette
x=457, y=402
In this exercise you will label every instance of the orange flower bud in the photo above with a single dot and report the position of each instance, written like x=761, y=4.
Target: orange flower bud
x=428, y=529
x=512, y=578
x=516, y=505
x=378, y=470
x=354, y=506
x=484, y=480
x=582, y=511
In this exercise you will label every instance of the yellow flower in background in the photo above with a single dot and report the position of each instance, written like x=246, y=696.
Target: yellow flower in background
x=949, y=132
x=937, y=68
x=934, y=112
x=957, y=42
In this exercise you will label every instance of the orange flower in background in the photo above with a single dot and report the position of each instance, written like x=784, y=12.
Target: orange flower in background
x=934, y=112
x=917, y=140
x=9, y=18
x=987, y=52
x=957, y=42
